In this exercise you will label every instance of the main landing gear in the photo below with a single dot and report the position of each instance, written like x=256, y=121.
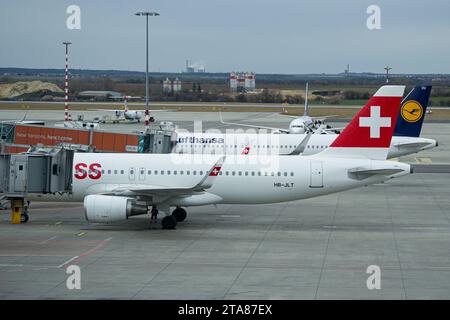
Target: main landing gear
x=169, y=221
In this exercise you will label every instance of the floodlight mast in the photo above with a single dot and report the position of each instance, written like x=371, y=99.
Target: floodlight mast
x=146, y=14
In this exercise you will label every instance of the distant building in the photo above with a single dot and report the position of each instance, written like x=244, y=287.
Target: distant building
x=194, y=67
x=172, y=86
x=242, y=82
x=100, y=95
x=167, y=86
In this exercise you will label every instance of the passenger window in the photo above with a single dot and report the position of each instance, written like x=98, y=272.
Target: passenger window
x=253, y=173
x=188, y=172
x=285, y=174
x=115, y=171
x=240, y=173
x=233, y=173
x=194, y=173
x=162, y=171
x=201, y=173
x=279, y=174
x=292, y=174
x=156, y=172
x=122, y=172
x=226, y=173
x=175, y=172
x=246, y=173
x=149, y=172
x=109, y=171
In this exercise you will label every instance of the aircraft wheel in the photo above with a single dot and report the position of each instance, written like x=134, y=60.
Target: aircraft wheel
x=169, y=222
x=152, y=119
x=180, y=214
x=24, y=218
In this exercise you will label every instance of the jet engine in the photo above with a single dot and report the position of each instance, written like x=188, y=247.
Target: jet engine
x=106, y=209
x=297, y=126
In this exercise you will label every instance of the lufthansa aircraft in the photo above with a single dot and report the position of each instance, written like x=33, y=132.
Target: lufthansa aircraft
x=114, y=187
x=300, y=124
x=406, y=139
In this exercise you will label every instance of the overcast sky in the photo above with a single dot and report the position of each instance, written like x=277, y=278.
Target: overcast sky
x=278, y=36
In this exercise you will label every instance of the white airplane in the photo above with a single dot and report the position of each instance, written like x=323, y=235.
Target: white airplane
x=127, y=114
x=114, y=187
x=300, y=124
x=282, y=144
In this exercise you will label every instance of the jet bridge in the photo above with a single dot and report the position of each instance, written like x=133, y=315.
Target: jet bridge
x=43, y=171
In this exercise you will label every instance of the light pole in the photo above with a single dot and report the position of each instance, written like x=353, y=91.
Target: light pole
x=387, y=68
x=146, y=14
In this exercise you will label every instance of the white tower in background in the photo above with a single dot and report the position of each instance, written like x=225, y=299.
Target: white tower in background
x=250, y=81
x=233, y=82
x=167, y=86
x=176, y=85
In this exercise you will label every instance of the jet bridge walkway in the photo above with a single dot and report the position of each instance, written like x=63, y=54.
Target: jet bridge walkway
x=42, y=171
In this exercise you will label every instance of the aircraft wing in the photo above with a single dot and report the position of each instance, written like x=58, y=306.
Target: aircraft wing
x=250, y=125
x=117, y=110
x=153, y=110
x=168, y=191
x=106, y=110
x=325, y=117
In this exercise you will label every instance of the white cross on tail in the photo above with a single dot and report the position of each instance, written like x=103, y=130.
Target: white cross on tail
x=375, y=121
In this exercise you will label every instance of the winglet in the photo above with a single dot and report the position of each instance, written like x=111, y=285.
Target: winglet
x=301, y=147
x=211, y=175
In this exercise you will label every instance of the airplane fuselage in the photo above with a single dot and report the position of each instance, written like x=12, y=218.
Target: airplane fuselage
x=282, y=144
x=242, y=179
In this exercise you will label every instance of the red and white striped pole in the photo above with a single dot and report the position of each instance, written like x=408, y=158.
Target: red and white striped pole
x=147, y=119
x=66, y=87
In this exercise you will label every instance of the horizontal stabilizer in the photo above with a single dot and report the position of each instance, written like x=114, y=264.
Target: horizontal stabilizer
x=417, y=145
x=371, y=172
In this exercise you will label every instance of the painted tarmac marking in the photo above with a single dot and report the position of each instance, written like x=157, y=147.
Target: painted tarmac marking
x=49, y=239
x=67, y=262
x=76, y=259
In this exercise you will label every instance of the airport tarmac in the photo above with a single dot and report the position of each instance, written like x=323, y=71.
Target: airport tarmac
x=311, y=249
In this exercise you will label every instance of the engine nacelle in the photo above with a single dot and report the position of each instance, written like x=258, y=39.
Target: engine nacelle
x=106, y=209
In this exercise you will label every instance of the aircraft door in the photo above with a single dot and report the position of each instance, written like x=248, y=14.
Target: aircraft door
x=316, y=174
x=20, y=178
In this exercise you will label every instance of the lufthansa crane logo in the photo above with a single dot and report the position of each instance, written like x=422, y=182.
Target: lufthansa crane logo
x=412, y=111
